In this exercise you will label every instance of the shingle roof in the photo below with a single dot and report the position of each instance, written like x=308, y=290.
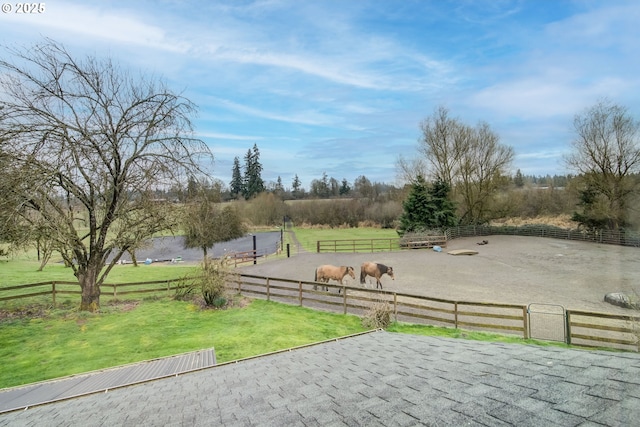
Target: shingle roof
x=379, y=378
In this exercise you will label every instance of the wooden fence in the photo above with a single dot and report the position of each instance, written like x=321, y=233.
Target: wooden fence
x=611, y=237
x=109, y=290
x=585, y=329
x=358, y=245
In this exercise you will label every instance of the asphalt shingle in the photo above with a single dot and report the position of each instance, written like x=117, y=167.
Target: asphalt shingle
x=378, y=378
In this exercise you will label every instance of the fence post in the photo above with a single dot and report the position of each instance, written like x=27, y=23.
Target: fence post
x=300, y=293
x=344, y=301
x=317, y=246
x=115, y=292
x=568, y=326
x=53, y=293
x=395, y=307
x=455, y=313
x=268, y=296
x=525, y=318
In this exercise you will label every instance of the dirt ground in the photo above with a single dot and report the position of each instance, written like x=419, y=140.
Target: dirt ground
x=510, y=269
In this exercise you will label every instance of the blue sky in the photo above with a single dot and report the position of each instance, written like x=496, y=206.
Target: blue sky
x=340, y=87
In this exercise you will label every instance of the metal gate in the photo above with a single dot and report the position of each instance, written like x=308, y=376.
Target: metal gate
x=547, y=322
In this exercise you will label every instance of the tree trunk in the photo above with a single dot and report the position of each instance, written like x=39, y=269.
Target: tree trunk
x=134, y=260
x=90, y=289
x=46, y=256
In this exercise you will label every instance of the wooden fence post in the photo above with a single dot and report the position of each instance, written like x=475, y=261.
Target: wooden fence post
x=395, y=307
x=344, y=301
x=53, y=293
x=525, y=319
x=455, y=314
x=268, y=295
x=300, y=293
x=568, y=326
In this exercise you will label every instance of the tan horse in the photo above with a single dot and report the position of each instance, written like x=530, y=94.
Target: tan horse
x=324, y=273
x=375, y=270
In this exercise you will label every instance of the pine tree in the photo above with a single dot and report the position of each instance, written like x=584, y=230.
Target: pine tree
x=296, y=186
x=236, y=185
x=518, y=180
x=344, y=188
x=253, y=183
x=445, y=210
x=427, y=207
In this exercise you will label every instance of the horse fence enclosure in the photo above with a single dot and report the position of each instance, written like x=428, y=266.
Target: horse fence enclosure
x=56, y=289
x=612, y=237
x=538, y=321
x=380, y=244
x=358, y=245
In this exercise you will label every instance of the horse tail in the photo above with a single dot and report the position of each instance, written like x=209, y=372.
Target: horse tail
x=362, y=274
x=315, y=275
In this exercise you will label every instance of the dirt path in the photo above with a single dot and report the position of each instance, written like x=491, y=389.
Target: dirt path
x=510, y=269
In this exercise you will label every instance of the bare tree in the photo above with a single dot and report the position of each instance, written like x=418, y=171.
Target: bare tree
x=88, y=143
x=606, y=155
x=206, y=222
x=470, y=160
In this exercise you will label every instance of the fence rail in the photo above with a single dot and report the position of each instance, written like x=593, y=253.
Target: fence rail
x=358, y=245
x=585, y=329
x=610, y=237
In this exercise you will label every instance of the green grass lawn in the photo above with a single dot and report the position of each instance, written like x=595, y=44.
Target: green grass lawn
x=68, y=342
x=20, y=271
x=309, y=236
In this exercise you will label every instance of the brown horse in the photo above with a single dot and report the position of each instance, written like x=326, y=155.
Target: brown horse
x=324, y=273
x=376, y=270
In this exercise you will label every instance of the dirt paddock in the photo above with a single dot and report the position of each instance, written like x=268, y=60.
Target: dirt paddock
x=509, y=269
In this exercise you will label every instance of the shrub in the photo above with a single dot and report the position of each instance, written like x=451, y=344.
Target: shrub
x=211, y=282
x=378, y=316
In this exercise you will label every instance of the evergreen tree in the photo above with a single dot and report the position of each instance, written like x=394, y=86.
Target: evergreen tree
x=518, y=180
x=253, y=183
x=296, y=187
x=279, y=188
x=320, y=187
x=445, y=211
x=236, y=185
x=427, y=207
x=344, y=188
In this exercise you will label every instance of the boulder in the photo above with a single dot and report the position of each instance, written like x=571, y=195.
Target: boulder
x=621, y=300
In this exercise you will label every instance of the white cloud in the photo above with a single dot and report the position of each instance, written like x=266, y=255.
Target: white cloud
x=96, y=22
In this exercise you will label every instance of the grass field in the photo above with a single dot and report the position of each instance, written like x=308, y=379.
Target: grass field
x=309, y=236
x=49, y=343
x=21, y=271
x=68, y=342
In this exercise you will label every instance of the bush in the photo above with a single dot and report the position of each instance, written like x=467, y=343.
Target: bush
x=215, y=275
x=378, y=316
x=211, y=282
